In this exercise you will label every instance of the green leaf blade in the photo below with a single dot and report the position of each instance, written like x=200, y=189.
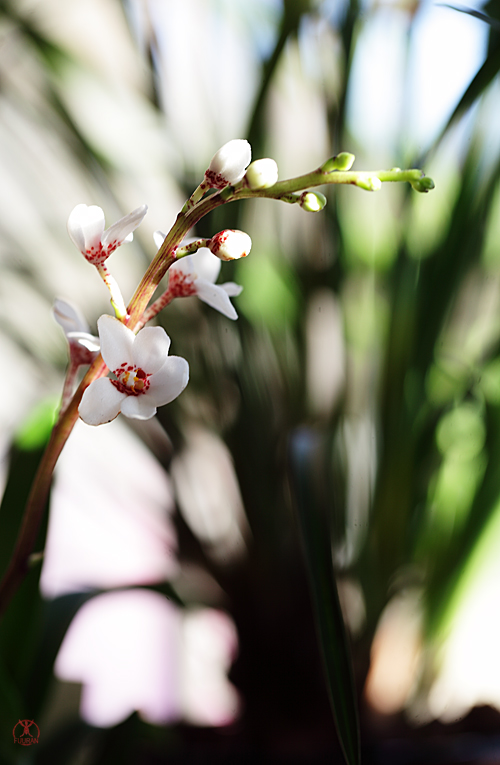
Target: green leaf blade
x=305, y=458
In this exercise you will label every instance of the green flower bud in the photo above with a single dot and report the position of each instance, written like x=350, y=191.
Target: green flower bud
x=369, y=182
x=312, y=201
x=262, y=174
x=423, y=184
x=342, y=161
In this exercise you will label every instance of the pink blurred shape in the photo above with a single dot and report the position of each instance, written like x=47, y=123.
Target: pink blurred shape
x=134, y=650
x=110, y=515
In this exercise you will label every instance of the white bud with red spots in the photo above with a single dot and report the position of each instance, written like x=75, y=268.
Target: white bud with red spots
x=228, y=165
x=262, y=174
x=145, y=376
x=86, y=230
x=230, y=244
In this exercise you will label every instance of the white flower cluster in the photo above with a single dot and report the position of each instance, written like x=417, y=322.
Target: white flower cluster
x=143, y=375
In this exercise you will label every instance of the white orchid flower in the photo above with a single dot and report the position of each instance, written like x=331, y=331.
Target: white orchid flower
x=86, y=230
x=228, y=165
x=196, y=275
x=145, y=375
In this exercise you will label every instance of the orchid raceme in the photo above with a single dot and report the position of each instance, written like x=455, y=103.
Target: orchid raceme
x=228, y=165
x=230, y=244
x=145, y=376
x=86, y=230
x=196, y=275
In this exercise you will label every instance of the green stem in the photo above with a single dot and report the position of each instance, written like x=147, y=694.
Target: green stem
x=320, y=178
x=35, y=506
x=154, y=309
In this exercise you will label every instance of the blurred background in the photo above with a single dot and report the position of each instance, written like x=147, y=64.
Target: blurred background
x=172, y=618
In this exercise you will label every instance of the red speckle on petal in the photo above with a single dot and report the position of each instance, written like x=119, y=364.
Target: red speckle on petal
x=215, y=180
x=180, y=284
x=96, y=255
x=111, y=246
x=218, y=240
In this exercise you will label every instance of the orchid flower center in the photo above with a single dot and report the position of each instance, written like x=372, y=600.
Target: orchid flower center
x=133, y=381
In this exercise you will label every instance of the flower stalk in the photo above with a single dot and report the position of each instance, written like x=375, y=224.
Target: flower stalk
x=99, y=245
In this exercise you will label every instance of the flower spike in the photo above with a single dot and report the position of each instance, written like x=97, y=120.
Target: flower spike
x=145, y=376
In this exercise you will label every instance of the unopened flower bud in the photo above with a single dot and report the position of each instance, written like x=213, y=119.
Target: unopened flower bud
x=369, y=183
x=262, y=174
x=312, y=201
x=342, y=162
x=230, y=244
x=423, y=184
x=228, y=165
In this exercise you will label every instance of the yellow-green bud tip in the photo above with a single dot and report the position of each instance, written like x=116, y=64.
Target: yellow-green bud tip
x=423, y=184
x=369, y=182
x=343, y=162
x=312, y=201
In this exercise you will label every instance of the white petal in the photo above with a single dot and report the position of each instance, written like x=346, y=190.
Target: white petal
x=150, y=349
x=159, y=236
x=119, y=231
x=69, y=317
x=85, y=339
x=205, y=265
x=100, y=402
x=216, y=297
x=116, y=341
x=184, y=265
x=169, y=381
x=138, y=407
x=232, y=288
x=231, y=160
x=85, y=226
